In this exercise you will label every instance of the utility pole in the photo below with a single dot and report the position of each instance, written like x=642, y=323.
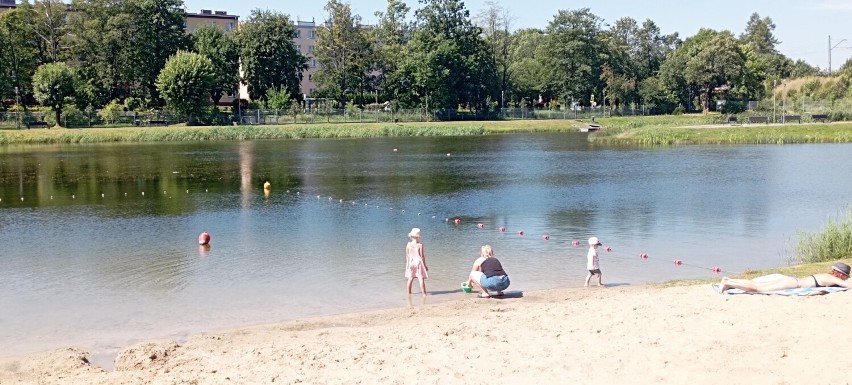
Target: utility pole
x=831, y=48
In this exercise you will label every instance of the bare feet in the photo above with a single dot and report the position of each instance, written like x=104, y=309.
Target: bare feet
x=723, y=285
x=484, y=295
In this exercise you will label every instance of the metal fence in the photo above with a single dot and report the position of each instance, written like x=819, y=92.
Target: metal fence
x=796, y=109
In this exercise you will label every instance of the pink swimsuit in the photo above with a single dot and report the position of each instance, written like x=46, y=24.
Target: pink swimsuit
x=415, y=267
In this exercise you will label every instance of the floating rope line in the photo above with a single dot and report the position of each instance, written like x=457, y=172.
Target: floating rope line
x=459, y=222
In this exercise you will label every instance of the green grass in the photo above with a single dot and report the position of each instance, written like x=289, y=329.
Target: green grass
x=639, y=130
x=291, y=131
x=648, y=131
x=832, y=243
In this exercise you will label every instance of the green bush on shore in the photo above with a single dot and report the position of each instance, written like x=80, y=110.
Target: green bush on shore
x=834, y=242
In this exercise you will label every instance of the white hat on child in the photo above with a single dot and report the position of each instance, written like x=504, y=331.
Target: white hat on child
x=415, y=232
x=594, y=241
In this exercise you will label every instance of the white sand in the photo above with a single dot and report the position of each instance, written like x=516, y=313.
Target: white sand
x=625, y=335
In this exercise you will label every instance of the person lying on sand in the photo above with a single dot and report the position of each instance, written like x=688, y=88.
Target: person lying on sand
x=837, y=276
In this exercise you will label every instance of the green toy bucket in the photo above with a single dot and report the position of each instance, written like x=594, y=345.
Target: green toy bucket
x=466, y=288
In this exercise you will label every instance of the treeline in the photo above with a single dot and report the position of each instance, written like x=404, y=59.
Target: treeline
x=132, y=54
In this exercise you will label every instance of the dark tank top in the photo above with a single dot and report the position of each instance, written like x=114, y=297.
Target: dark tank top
x=491, y=267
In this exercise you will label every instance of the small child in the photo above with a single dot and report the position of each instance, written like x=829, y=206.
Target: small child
x=415, y=261
x=592, y=263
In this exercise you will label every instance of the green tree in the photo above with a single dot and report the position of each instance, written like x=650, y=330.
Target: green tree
x=52, y=84
x=717, y=62
x=50, y=27
x=574, y=53
x=528, y=73
x=801, y=69
x=343, y=51
x=759, y=33
x=222, y=51
x=98, y=40
x=447, y=64
x=156, y=39
x=269, y=55
x=496, y=23
x=185, y=83
x=389, y=39
x=20, y=52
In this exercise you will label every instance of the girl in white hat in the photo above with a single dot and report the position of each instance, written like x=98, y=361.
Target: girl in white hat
x=415, y=261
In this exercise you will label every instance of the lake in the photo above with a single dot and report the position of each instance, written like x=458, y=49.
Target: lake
x=98, y=243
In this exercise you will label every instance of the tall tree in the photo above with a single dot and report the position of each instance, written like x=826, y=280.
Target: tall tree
x=212, y=43
x=99, y=32
x=447, y=62
x=157, y=39
x=21, y=51
x=528, y=72
x=343, y=52
x=496, y=24
x=389, y=39
x=717, y=62
x=574, y=53
x=759, y=33
x=49, y=26
x=269, y=55
x=52, y=84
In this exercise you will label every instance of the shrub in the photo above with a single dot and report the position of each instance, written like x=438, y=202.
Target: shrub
x=834, y=242
x=111, y=113
x=679, y=110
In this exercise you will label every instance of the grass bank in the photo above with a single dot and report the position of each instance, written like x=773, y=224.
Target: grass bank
x=676, y=130
x=290, y=131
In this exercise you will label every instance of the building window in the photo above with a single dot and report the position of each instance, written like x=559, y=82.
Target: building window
x=310, y=48
x=298, y=34
x=229, y=26
x=313, y=63
x=312, y=34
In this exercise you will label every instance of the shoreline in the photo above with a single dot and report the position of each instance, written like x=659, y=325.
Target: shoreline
x=638, y=334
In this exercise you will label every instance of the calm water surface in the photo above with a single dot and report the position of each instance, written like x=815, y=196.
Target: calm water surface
x=98, y=242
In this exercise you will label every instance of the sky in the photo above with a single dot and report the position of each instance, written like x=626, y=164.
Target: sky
x=803, y=27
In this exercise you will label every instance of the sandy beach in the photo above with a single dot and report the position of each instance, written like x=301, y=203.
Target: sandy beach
x=612, y=335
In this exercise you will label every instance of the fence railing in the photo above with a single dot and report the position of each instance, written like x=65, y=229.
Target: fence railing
x=838, y=110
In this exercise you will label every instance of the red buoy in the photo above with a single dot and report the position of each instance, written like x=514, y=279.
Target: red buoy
x=203, y=238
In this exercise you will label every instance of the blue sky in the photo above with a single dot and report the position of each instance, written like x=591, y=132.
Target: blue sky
x=803, y=27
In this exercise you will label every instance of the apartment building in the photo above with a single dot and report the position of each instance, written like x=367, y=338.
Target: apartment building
x=306, y=40
x=220, y=19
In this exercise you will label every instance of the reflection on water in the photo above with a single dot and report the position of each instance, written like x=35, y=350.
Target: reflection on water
x=98, y=244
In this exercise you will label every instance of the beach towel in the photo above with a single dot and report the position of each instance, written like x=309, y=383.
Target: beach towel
x=802, y=291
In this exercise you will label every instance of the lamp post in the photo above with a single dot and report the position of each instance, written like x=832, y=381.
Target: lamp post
x=784, y=102
x=502, y=104
x=774, y=84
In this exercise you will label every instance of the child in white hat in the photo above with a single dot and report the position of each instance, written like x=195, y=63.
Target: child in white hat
x=415, y=261
x=592, y=261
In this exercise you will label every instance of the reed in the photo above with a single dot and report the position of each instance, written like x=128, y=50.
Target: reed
x=763, y=134
x=181, y=133
x=832, y=243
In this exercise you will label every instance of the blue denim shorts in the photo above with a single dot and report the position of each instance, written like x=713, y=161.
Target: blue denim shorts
x=495, y=283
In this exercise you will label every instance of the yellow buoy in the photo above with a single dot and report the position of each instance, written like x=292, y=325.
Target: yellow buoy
x=267, y=185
